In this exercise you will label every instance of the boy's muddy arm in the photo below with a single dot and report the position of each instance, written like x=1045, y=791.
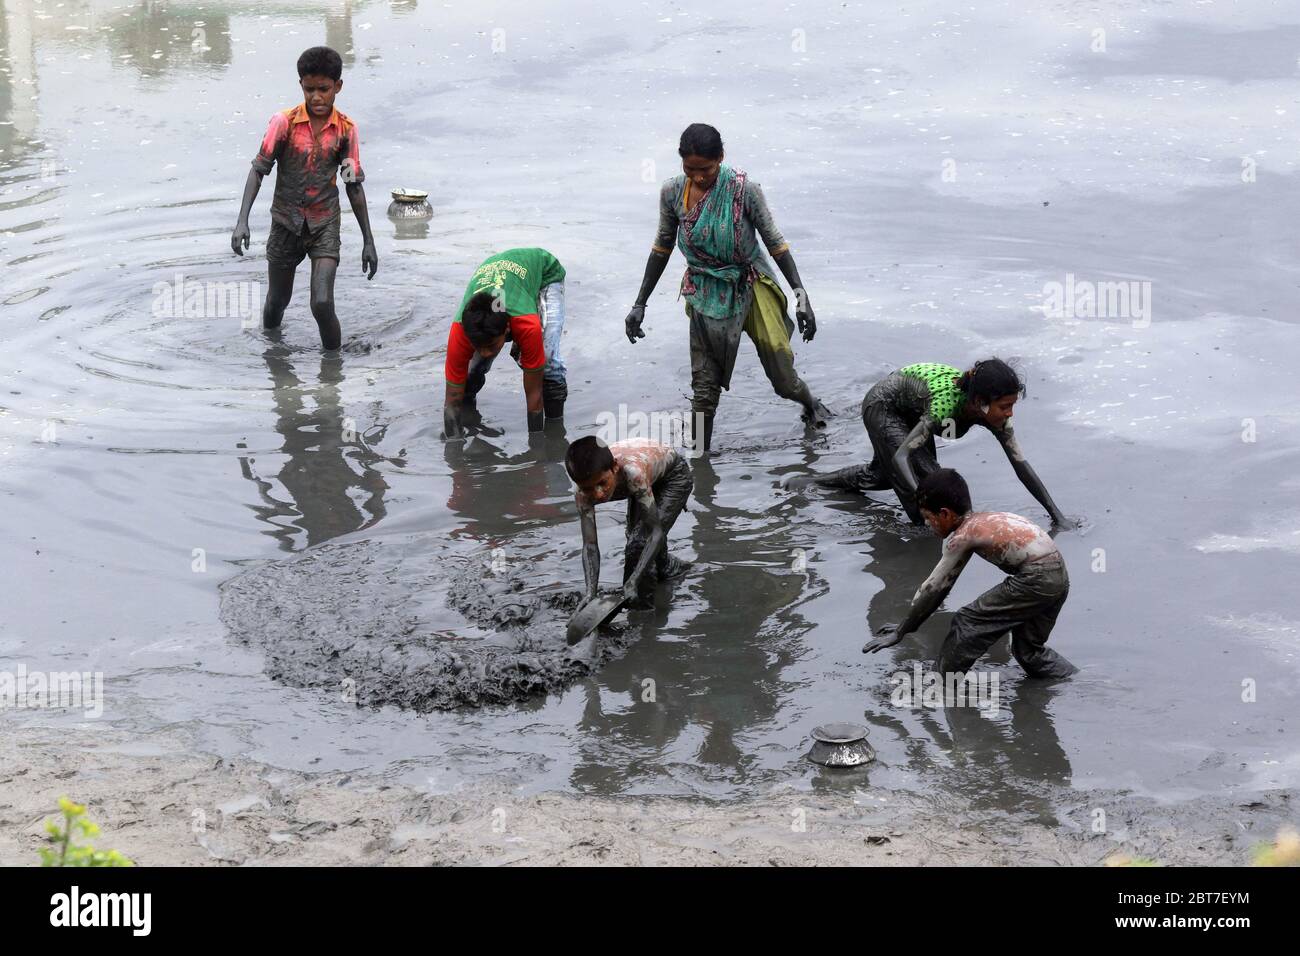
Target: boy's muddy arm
x=803, y=311
x=533, y=395
x=916, y=438
x=451, y=412
x=927, y=599
x=654, y=269
x=654, y=537
x=369, y=258
x=1028, y=477
x=239, y=238
x=590, y=550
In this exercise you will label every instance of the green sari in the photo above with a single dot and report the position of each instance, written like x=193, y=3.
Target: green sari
x=725, y=270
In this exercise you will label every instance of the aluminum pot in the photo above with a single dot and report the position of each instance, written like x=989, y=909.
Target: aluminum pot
x=410, y=204
x=841, y=745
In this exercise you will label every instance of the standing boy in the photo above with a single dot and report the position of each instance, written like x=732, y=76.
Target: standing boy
x=310, y=143
x=656, y=481
x=515, y=296
x=1026, y=603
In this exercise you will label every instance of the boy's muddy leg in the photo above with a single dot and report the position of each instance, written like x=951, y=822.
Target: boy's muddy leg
x=970, y=635
x=1034, y=655
x=322, y=302
x=1029, y=638
x=554, y=394
x=672, y=498
x=279, y=291
x=1031, y=595
x=555, y=387
x=671, y=493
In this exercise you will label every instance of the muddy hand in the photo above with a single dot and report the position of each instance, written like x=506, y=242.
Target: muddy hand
x=807, y=322
x=451, y=426
x=632, y=324
x=369, y=259
x=239, y=238
x=886, y=636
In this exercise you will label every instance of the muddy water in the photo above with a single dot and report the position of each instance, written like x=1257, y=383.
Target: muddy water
x=151, y=455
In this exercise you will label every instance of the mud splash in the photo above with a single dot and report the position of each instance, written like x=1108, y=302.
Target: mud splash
x=407, y=623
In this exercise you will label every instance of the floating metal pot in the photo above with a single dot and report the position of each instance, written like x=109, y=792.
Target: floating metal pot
x=410, y=204
x=841, y=745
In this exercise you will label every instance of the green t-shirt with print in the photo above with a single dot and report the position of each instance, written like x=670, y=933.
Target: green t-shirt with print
x=517, y=276
x=945, y=397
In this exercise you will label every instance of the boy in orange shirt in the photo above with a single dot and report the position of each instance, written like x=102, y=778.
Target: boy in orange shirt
x=310, y=143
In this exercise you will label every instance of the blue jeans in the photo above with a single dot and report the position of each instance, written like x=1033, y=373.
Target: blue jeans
x=550, y=306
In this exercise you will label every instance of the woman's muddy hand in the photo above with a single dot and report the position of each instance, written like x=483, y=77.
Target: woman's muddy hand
x=806, y=320
x=632, y=324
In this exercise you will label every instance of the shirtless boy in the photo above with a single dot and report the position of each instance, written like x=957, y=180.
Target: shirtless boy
x=1026, y=603
x=656, y=481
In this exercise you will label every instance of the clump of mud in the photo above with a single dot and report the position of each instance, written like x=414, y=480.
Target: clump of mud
x=410, y=624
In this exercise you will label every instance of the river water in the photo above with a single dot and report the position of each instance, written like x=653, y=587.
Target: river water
x=935, y=166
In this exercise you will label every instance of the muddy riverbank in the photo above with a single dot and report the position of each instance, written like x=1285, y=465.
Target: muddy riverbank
x=162, y=805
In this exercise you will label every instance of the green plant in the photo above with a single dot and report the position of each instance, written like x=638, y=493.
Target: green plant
x=67, y=853
x=1285, y=851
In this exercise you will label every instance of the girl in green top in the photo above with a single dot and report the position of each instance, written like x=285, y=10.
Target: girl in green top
x=904, y=411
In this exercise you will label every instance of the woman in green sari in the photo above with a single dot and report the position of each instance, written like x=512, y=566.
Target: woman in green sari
x=716, y=215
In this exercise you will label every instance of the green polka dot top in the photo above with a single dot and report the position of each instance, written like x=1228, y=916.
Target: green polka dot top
x=945, y=397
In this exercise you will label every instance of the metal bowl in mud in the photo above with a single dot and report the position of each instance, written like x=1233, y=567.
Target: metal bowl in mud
x=410, y=204
x=841, y=745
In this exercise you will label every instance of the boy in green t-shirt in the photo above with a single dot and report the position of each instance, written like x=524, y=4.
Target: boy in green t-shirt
x=515, y=295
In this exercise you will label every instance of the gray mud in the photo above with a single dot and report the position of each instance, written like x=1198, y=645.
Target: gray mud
x=347, y=617
x=143, y=790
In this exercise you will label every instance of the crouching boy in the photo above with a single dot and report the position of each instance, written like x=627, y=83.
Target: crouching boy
x=1026, y=604
x=656, y=481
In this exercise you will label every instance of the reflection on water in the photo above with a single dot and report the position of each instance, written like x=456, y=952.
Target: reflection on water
x=329, y=476
x=1021, y=753
x=18, y=81
x=717, y=688
x=409, y=228
x=155, y=37
x=498, y=494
